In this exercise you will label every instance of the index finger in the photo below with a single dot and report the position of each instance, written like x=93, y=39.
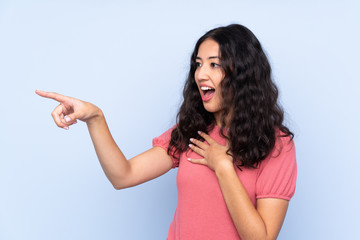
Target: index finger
x=56, y=96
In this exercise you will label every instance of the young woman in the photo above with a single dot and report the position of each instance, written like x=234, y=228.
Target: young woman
x=236, y=159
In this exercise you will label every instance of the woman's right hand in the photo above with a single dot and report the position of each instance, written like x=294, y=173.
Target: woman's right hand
x=70, y=109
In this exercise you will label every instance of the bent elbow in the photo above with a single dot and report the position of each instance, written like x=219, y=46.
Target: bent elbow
x=120, y=185
x=117, y=186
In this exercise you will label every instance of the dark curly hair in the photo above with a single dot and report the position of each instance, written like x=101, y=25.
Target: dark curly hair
x=256, y=119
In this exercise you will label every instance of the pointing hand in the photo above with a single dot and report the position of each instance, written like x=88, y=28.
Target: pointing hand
x=70, y=109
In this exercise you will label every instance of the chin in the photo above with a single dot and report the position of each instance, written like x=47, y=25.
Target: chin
x=210, y=108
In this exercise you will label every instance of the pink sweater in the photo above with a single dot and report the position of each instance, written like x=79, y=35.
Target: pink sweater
x=201, y=212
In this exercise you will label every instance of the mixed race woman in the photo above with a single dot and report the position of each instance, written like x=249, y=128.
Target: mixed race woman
x=236, y=159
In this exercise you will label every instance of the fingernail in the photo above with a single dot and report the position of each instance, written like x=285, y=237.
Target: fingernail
x=67, y=119
x=189, y=159
x=190, y=145
x=199, y=132
x=66, y=128
x=191, y=139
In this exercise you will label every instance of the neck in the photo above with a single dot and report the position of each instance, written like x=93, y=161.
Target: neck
x=218, y=116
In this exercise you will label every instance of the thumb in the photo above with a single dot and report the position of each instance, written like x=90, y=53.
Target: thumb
x=71, y=118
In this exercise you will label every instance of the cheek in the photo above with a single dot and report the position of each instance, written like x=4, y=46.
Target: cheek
x=218, y=82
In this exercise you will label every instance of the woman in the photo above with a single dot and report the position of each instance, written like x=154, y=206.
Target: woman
x=236, y=159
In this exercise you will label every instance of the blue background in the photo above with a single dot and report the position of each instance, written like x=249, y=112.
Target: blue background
x=130, y=58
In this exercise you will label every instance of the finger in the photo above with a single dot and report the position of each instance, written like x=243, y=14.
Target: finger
x=67, y=123
x=52, y=95
x=199, y=143
x=197, y=150
x=70, y=119
x=56, y=114
x=209, y=139
x=198, y=161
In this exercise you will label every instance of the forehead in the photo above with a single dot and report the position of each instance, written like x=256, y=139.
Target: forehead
x=208, y=48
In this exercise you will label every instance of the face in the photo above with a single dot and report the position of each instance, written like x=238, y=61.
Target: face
x=208, y=76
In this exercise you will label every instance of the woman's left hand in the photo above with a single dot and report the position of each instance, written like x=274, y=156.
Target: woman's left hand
x=214, y=154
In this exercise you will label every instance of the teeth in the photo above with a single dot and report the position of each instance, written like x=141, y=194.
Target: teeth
x=205, y=88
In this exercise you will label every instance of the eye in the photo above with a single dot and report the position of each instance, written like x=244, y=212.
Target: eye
x=198, y=64
x=215, y=65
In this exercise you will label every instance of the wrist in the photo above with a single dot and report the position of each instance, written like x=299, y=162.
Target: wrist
x=224, y=168
x=96, y=117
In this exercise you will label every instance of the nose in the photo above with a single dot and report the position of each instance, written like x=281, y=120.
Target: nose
x=202, y=73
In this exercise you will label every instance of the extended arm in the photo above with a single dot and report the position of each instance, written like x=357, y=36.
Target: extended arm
x=121, y=172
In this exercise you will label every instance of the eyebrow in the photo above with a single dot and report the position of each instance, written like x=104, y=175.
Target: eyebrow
x=211, y=57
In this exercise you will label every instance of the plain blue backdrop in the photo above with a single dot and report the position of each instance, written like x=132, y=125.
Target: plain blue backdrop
x=131, y=58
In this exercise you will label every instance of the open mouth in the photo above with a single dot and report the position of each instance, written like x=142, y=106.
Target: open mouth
x=207, y=93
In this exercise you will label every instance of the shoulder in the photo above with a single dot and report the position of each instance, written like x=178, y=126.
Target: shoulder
x=163, y=141
x=282, y=157
x=278, y=172
x=165, y=137
x=283, y=144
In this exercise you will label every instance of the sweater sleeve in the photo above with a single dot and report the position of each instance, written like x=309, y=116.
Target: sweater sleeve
x=278, y=172
x=163, y=141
